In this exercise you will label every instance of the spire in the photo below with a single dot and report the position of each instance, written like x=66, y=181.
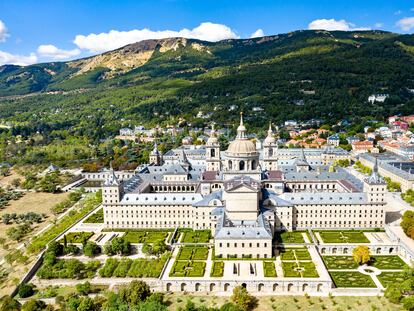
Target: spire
x=375, y=178
x=241, y=130
x=112, y=180
x=212, y=140
x=155, y=151
x=270, y=138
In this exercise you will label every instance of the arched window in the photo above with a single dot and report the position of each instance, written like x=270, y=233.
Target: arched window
x=254, y=165
x=230, y=165
x=241, y=166
x=270, y=152
x=213, y=153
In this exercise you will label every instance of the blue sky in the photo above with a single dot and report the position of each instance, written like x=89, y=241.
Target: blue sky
x=38, y=31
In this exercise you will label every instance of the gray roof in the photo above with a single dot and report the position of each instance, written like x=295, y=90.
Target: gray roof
x=217, y=195
x=325, y=198
x=231, y=229
x=161, y=198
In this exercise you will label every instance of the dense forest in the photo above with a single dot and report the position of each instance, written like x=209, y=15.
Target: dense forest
x=300, y=75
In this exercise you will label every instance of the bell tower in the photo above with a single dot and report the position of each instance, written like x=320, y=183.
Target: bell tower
x=269, y=150
x=213, y=161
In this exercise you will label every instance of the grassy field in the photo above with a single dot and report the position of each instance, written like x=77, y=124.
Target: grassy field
x=31, y=202
x=388, y=278
x=96, y=218
x=197, y=236
x=291, y=303
x=387, y=262
x=145, y=236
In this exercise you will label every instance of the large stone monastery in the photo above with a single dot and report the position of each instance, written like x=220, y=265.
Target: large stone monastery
x=243, y=194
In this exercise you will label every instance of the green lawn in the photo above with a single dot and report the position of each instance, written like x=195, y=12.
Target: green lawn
x=343, y=237
x=289, y=237
x=218, y=269
x=269, y=269
x=289, y=254
x=183, y=268
x=145, y=236
x=193, y=253
x=77, y=237
x=352, y=279
x=340, y=262
x=385, y=262
x=96, y=218
x=387, y=278
x=197, y=236
x=305, y=269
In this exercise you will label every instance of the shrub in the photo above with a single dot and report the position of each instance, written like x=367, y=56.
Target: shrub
x=91, y=249
x=361, y=254
x=243, y=299
x=26, y=290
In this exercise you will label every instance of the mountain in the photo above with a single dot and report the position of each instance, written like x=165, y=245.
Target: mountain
x=298, y=75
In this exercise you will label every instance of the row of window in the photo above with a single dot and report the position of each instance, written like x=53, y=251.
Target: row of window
x=243, y=244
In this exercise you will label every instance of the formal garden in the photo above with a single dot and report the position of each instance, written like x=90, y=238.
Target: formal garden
x=217, y=269
x=76, y=237
x=289, y=237
x=389, y=278
x=269, y=269
x=351, y=279
x=294, y=254
x=182, y=268
x=145, y=236
x=343, y=236
x=138, y=268
x=193, y=253
x=196, y=236
x=96, y=218
x=304, y=269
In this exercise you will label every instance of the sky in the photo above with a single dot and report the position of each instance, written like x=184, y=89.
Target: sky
x=42, y=31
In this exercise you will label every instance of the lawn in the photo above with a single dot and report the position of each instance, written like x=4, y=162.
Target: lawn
x=289, y=254
x=305, y=269
x=287, y=237
x=145, y=236
x=269, y=269
x=387, y=262
x=340, y=262
x=197, y=236
x=77, y=237
x=343, y=237
x=387, y=278
x=96, y=218
x=193, y=253
x=351, y=279
x=188, y=269
x=218, y=269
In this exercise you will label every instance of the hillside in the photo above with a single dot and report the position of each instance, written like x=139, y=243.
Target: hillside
x=299, y=75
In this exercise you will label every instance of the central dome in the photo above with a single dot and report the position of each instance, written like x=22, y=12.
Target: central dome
x=242, y=147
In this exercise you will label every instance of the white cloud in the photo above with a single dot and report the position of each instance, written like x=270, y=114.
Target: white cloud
x=113, y=39
x=258, y=33
x=3, y=32
x=22, y=60
x=333, y=24
x=52, y=52
x=406, y=23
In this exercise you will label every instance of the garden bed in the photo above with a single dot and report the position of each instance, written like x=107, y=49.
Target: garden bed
x=388, y=278
x=182, y=268
x=343, y=237
x=352, y=279
x=289, y=237
x=289, y=254
x=193, y=253
x=269, y=269
x=385, y=262
x=340, y=262
x=300, y=269
x=218, y=269
x=96, y=218
x=77, y=237
x=145, y=236
x=197, y=236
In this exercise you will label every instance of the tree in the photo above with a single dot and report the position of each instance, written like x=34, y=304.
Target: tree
x=408, y=303
x=134, y=293
x=8, y=303
x=243, y=299
x=83, y=288
x=146, y=247
x=393, y=294
x=91, y=249
x=86, y=304
x=361, y=254
x=121, y=246
x=55, y=248
x=34, y=305
x=407, y=223
x=229, y=307
x=159, y=247
x=26, y=290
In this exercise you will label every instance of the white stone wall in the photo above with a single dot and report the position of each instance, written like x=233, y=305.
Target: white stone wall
x=258, y=248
